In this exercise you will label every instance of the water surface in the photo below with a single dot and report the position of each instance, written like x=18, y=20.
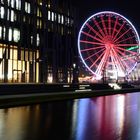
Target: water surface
x=115, y=117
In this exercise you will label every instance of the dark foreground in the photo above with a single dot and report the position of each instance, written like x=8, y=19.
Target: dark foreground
x=114, y=117
x=27, y=94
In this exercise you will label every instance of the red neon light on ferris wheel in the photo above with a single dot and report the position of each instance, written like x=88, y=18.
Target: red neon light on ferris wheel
x=104, y=41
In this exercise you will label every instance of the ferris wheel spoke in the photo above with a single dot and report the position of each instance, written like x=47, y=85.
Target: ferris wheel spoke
x=91, y=42
x=103, y=63
x=94, y=54
x=123, y=54
x=114, y=37
x=91, y=36
x=97, y=60
x=109, y=21
x=114, y=28
x=131, y=52
x=90, y=49
x=115, y=62
x=99, y=28
x=127, y=39
x=127, y=45
x=120, y=61
x=94, y=31
x=104, y=26
x=122, y=35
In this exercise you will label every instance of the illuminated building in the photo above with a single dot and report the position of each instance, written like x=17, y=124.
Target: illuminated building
x=38, y=41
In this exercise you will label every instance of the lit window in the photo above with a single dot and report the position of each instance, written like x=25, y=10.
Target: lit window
x=27, y=7
x=12, y=3
x=38, y=40
x=18, y=4
x=16, y=35
x=49, y=5
x=31, y=39
x=4, y=32
x=55, y=17
x=8, y=14
x=62, y=19
x=52, y=16
x=8, y=2
x=2, y=1
x=67, y=21
x=2, y=12
x=10, y=35
x=12, y=15
x=39, y=14
x=49, y=15
x=0, y=32
x=59, y=18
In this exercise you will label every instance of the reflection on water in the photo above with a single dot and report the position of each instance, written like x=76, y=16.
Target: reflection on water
x=115, y=117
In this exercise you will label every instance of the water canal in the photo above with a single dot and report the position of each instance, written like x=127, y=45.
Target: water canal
x=115, y=117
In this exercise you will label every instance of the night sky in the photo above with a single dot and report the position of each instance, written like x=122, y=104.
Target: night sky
x=128, y=8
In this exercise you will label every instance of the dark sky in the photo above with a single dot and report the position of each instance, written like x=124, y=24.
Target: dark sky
x=128, y=8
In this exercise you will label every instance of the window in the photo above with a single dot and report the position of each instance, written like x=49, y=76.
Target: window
x=38, y=40
x=4, y=32
x=12, y=3
x=27, y=7
x=39, y=14
x=0, y=32
x=49, y=15
x=52, y=17
x=16, y=35
x=18, y=4
x=1, y=12
x=62, y=19
x=12, y=15
x=2, y=1
x=59, y=18
x=10, y=35
x=31, y=39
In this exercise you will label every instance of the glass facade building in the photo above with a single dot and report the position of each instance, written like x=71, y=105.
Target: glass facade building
x=38, y=41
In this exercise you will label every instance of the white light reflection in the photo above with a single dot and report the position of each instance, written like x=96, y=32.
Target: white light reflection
x=81, y=118
x=74, y=116
x=1, y=124
x=120, y=105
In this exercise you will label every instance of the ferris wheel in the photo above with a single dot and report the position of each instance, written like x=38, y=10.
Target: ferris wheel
x=109, y=42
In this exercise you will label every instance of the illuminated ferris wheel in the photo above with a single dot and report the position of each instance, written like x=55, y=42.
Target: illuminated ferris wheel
x=108, y=42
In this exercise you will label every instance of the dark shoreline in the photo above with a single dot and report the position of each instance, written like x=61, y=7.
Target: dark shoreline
x=11, y=100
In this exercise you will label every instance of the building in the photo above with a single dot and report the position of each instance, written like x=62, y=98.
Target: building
x=38, y=41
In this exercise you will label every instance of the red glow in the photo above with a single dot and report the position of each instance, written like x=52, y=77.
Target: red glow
x=89, y=49
x=118, y=31
x=122, y=35
x=94, y=54
x=109, y=21
x=129, y=38
x=97, y=59
x=91, y=42
x=104, y=26
x=114, y=28
x=99, y=28
x=94, y=31
x=89, y=35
